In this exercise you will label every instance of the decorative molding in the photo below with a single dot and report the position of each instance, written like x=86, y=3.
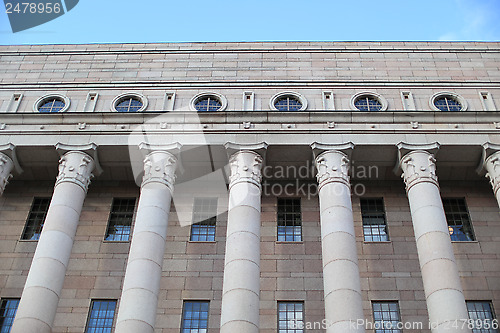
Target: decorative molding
x=173, y=148
x=333, y=167
x=76, y=167
x=203, y=84
x=245, y=166
x=159, y=167
x=259, y=148
x=319, y=148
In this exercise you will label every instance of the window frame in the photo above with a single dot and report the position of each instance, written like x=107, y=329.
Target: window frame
x=278, y=312
x=381, y=99
x=212, y=219
x=450, y=95
x=184, y=312
x=396, y=330
x=284, y=94
x=111, y=212
x=46, y=98
x=285, y=225
x=89, y=314
x=208, y=94
x=492, y=313
x=120, y=98
x=38, y=226
x=4, y=307
x=470, y=226
x=384, y=216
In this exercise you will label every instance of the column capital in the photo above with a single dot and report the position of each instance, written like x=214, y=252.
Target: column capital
x=159, y=167
x=90, y=149
x=332, y=162
x=9, y=150
x=417, y=163
x=490, y=162
x=245, y=162
x=76, y=167
x=6, y=166
x=8, y=162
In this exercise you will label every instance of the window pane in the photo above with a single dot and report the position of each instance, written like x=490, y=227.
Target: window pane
x=130, y=104
x=288, y=103
x=195, y=317
x=481, y=313
x=52, y=105
x=289, y=220
x=458, y=219
x=101, y=316
x=386, y=317
x=290, y=317
x=36, y=218
x=368, y=103
x=209, y=103
x=204, y=219
x=446, y=103
x=374, y=222
x=120, y=219
x=8, y=309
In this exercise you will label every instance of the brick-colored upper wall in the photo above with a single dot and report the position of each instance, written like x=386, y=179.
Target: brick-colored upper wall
x=458, y=62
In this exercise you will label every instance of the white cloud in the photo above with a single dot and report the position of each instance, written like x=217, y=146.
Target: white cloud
x=480, y=21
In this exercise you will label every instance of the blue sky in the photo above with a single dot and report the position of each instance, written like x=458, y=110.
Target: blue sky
x=111, y=21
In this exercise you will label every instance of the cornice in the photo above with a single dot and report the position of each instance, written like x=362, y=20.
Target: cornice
x=155, y=84
x=267, y=47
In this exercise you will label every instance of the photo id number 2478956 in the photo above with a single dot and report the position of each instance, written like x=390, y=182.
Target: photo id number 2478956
x=33, y=8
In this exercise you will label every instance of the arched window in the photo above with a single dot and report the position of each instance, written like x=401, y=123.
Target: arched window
x=129, y=102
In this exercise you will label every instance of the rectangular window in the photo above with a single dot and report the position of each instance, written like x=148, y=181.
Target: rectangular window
x=374, y=224
x=102, y=313
x=204, y=220
x=8, y=310
x=195, y=317
x=482, y=317
x=36, y=218
x=289, y=220
x=120, y=219
x=290, y=317
x=386, y=317
x=458, y=219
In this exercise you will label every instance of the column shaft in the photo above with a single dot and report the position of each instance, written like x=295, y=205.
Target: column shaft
x=342, y=287
x=139, y=299
x=440, y=276
x=42, y=290
x=241, y=286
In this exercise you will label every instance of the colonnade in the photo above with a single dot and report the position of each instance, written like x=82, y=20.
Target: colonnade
x=241, y=282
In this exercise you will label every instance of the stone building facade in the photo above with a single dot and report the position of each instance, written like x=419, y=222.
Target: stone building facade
x=316, y=184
